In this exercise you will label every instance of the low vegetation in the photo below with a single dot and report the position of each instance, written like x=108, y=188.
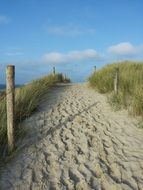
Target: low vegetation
x=130, y=94
x=27, y=99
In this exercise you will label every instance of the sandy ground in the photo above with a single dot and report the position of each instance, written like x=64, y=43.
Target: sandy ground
x=75, y=141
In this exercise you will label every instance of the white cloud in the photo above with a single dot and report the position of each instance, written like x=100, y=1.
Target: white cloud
x=125, y=48
x=13, y=53
x=56, y=57
x=69, y=30
x=3, y=19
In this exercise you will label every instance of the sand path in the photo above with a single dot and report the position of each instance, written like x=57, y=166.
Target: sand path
x=75, y=141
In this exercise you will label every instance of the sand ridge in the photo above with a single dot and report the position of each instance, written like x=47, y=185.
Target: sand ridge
x=75, y=141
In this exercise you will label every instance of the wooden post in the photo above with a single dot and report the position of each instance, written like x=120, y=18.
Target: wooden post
x=10, y=98
x=54, y=71
x=116, y=81
x=65, y=77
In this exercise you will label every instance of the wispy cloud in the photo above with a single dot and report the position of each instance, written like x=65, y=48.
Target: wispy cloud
x=57, y=57
x=3, y=19
x=125, y=49
x=69, y=30
x=13, y=53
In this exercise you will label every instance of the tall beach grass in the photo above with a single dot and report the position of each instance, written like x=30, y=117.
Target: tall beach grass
x=27, y=99
x=130, y=85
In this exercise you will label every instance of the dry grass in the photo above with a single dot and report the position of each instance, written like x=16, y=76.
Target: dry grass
x=27, y=99
x=131, y=85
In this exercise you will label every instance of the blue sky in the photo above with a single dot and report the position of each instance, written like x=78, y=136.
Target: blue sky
x=73, y=35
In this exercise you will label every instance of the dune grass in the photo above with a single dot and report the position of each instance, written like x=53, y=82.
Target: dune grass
x=27, y=99
x=130, y=86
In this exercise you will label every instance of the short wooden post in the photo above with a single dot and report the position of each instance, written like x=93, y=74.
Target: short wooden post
x=65, y=77
x=116, y=81
x=94, y=68
x=10, y=98
x=54, y=71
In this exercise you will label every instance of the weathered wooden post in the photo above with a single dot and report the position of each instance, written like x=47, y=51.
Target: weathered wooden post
x=54, y=71
x=10, y=98
x=94, y=68
x=116, y=81
x=65, y=77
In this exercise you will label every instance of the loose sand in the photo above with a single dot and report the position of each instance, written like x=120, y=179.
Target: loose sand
x=75, y=141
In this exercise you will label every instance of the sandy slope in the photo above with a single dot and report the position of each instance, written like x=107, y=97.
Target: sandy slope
x=75, y=141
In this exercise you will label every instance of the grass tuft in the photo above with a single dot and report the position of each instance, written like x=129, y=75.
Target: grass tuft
x=27, y=99
x=130, y=85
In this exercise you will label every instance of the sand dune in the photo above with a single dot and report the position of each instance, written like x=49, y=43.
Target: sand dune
x=75, y=141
